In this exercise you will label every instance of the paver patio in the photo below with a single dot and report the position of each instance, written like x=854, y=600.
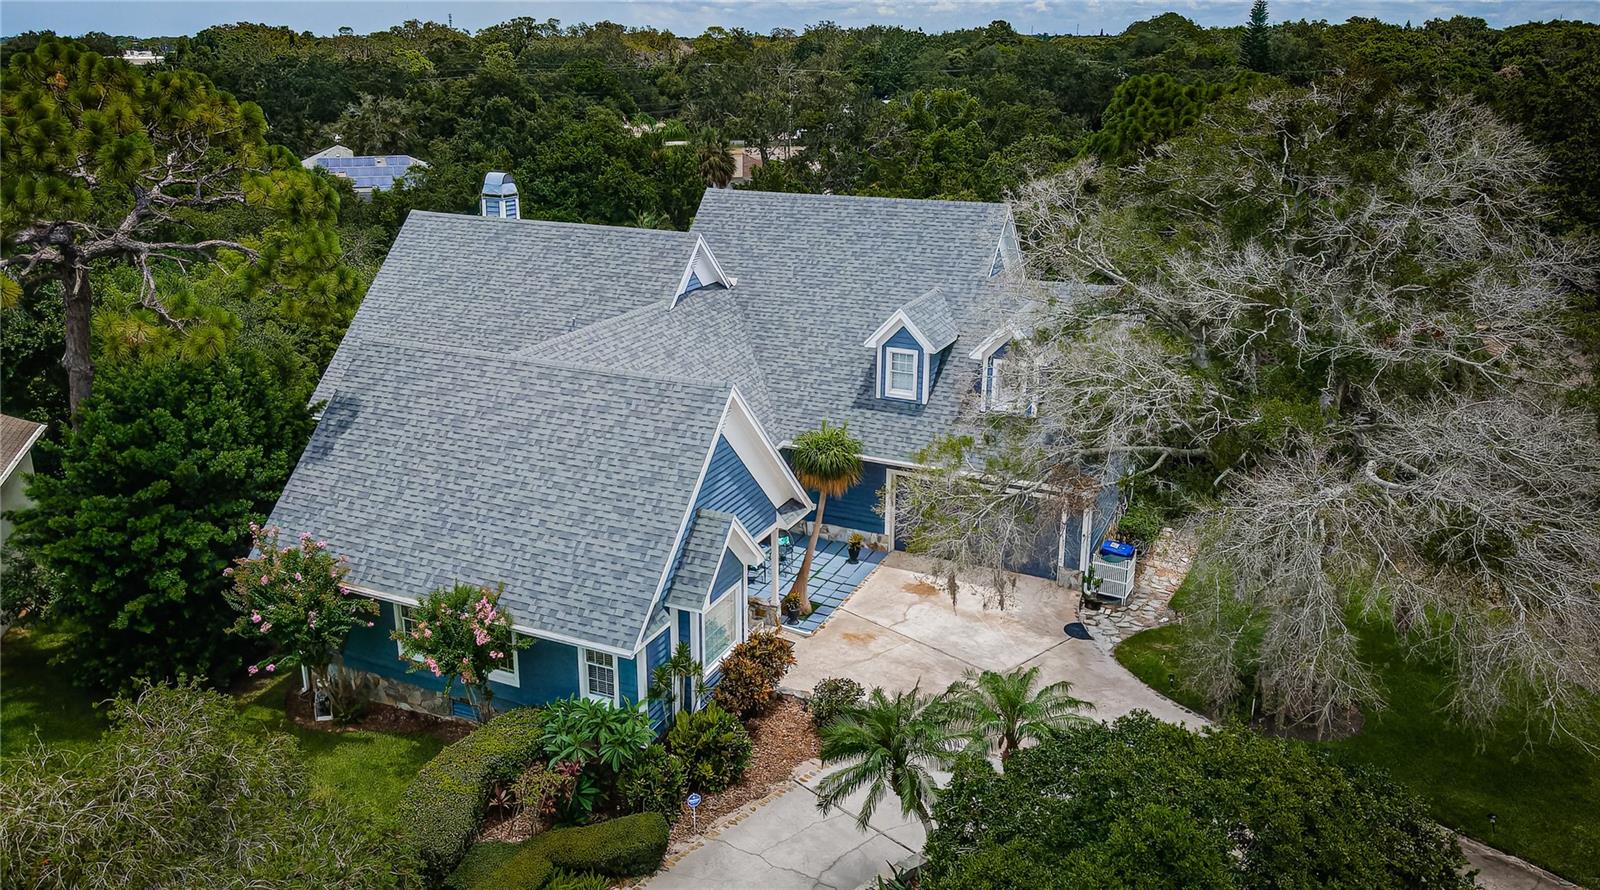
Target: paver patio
x=833, y=579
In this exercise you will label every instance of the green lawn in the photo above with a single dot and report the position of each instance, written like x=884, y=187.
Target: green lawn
x=1545, y=796
x=366, y=770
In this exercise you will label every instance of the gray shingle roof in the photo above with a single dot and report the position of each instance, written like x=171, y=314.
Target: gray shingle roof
x=931, y=315
x=501, y=284
x=702, y=556
x=566, y=484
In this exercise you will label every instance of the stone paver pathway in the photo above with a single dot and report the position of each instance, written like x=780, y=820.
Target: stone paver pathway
x=1157, y=577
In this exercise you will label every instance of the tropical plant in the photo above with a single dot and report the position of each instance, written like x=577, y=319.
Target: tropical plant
x=295, y=598
x=1001, y=711
x=832, y=697
x=714, y=746
x=585, y=731
x=826, y=460
x=751, y=671
x=1144, y=803
x=158, y=485
x=180, y=792
x=889, y=743
x=668, y=678
x=105, y=158
x=654, y=783
x=715, y=157
x=461, y=633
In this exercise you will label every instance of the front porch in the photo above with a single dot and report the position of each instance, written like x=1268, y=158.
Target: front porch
x=833, y=577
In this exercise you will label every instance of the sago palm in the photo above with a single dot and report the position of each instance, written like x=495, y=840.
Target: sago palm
x=826, y=460
x=887, y=744
x=1001, y=711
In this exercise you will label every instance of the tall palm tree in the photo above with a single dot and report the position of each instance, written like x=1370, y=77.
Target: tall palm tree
x=1001, y=711
x=887, y=744
x=716, y=158
x=828, y=461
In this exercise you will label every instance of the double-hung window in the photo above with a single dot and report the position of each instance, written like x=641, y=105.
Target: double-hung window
x=901, y=380
x=405, y=619
x=600, y=675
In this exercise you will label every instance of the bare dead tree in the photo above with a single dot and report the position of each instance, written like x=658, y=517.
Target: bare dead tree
x=1374, y=365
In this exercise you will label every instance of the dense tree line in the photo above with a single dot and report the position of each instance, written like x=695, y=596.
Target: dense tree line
x=602, y=124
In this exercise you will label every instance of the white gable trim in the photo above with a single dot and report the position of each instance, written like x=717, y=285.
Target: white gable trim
x=703, y=265
x=744, y=546
x=895, y=323
x=993, y=343
x=23, y=453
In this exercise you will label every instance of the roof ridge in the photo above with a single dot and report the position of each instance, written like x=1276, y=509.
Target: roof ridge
x=543, y=361
x=553, y=223
x=829, y=197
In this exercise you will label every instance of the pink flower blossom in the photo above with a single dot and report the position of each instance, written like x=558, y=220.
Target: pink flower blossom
x=253, y=670
x=266, y=627
x=264, y=580
x=428, y=632
x=434, y=666
x=305, y=536
x=298, y=577
x=255, y=617
x=496, y=654
x=479, y=637
x=369, y=624
x=227, y=571
x=271, y=668
x=322, y=545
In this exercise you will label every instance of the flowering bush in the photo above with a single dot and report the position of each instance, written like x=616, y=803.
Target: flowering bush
x=295, y=598
x=461, y=633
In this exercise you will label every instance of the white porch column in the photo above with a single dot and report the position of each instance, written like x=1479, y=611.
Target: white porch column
x=772, y=569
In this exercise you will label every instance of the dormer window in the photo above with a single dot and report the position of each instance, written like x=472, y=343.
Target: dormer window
x=1000, y=385
x=1000, y=395
x=901, y=380
x=911, y=347
x=703, y=271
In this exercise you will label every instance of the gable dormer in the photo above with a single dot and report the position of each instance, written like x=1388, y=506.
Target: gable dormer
x=998, y=383
x=909, y=348
x=703, y=270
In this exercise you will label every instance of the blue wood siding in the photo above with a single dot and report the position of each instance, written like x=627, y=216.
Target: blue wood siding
x=547, y=670
x=628, y=680
x=656, y=653
x=1071, y=557
x=731, y=572
x=902, y=339
x=693, y=283
x=730, y=487
x=857, y=508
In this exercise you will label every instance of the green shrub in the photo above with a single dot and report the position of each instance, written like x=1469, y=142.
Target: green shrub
x=481, y=864
x=751, y=672
x=566, y=880
x=1141, y=523
x=714, y=746
x=443, y=806
x=527, y=869
x=654, y=783
x=622, y=848
x=833, y=696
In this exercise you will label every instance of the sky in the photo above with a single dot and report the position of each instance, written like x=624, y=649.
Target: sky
x=144, y=18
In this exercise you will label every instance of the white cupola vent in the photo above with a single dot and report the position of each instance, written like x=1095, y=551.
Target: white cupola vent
x=499, y=198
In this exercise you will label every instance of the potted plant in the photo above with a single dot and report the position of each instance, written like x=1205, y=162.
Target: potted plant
x=855, y=546
x=791, y=607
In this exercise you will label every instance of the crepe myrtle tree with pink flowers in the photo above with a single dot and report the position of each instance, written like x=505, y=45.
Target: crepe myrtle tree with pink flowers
x=461, y=633
x=294, y=598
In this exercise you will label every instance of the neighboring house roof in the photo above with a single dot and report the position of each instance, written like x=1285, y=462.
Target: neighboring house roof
x=364, y=171
x=434, y=465
x=16, y=437
x=702, y=556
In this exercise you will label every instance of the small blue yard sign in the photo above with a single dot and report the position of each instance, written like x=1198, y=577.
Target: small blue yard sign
x=694, y=801
x=694, y=807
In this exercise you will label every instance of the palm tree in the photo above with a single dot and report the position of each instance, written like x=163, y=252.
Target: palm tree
x=887, y=744
x=668, y=678
x=1001, y=711
x=828, y=461
x=716, y=158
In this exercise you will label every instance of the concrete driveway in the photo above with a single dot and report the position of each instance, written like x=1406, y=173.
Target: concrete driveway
x=785, y=843
x=900, y=630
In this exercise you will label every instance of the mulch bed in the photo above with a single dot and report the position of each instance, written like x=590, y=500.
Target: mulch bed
x=377, y=718
x=784, y=738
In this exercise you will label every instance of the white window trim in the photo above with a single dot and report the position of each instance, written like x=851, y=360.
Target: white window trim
x=734, y=593
x=889, y=390
x=512, y=677
x=583, y=676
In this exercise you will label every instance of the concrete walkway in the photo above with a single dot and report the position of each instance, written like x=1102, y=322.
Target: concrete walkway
x=785, y=843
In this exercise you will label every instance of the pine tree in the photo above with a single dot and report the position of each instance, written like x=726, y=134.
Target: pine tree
x=1255, y=49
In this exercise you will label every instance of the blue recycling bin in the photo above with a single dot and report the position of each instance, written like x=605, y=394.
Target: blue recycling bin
x=1116, y=548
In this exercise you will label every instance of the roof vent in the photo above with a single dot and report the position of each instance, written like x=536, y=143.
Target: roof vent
x=499, y=198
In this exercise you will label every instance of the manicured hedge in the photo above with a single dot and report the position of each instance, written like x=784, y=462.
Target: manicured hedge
x=442, y=809
x=481, y=862
x=621, y=848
